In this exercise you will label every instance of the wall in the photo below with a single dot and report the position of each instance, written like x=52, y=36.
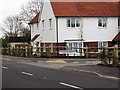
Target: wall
x=34, y=30
x=47, y=34
x=91, y=31
x=17, y=43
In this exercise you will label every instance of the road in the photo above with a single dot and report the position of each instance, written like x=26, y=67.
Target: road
x=19, y=75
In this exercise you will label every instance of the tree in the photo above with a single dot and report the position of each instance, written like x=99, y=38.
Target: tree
x=25, y=32
x=29, y=10
x=11, y=26
x=3, y=42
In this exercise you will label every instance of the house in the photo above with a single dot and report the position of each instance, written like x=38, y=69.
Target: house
x=18, y=41
x=76, y=25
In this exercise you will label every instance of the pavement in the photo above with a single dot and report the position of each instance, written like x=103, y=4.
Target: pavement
x=87, y=66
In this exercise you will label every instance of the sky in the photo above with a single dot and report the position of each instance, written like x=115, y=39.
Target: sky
x=10, y=8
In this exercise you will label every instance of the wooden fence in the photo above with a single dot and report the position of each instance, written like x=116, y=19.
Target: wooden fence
x=29, y=51
x=106, y=55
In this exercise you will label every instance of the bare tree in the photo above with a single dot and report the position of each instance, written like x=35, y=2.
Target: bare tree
x=30, y=9
x=11, y=26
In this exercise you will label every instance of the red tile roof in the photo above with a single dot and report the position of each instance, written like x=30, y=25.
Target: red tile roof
x=35, y=19
x=117, y=37
x=85, y=8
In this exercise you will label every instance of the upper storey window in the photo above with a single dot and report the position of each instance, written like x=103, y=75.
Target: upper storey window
x=119, y=21
x=102, y=22
x=73, y=22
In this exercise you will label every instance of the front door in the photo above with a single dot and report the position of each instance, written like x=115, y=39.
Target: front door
x=75, y=48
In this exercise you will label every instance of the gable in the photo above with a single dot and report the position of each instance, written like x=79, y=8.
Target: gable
x=35, y=19
x=85, y=8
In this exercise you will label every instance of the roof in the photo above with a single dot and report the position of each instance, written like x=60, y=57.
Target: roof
x=85, y=8
x=117, y=37
x=35, y=37
x=19, y=39
x=35, y=19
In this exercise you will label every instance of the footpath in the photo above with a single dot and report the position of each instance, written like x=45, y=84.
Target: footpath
x=87, y=66
x=83, y=66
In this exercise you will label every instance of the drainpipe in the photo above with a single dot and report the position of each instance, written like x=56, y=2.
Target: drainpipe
x=57, y=33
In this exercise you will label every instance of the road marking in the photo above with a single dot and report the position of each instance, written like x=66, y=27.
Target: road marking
x=25, y=73
x=65, y=84
x=7, y=59
x=4, y=67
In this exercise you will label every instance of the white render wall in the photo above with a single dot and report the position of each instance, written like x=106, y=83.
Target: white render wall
x=91, y=31
x=47, y=34
x=34, y=30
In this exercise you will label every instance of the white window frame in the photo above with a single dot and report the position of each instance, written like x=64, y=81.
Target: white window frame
x=69, y=22
x=33, y=27
x=70, y=46
x=103, y=22
x=101, y=45
x=77, y=46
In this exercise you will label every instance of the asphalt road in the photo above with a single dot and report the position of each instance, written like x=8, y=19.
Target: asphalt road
x=19, y=75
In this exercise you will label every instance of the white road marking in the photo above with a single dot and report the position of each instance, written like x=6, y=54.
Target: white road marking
x=7, y=59
x=4, y=67
x=65, y=84
x=25, y=73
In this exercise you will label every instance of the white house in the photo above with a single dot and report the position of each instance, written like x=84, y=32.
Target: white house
x=76, y=25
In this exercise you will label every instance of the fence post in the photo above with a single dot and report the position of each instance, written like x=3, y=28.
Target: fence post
x=26, y=51
x=115, y=55
x=9, y=51
x=86, y=51
x=31, y=52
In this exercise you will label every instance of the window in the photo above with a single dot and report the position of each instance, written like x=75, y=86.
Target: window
x=77, y=22
x=70, y=46
x=50, y=22
x=33, y=27
x=73, y=22
x=37, y=26
x=119, y=21
x=101, y=45
x=43, y=22
x=102, y=22
x=68, y=23
x=75, y=46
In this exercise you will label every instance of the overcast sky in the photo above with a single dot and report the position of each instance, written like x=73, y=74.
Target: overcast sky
x=10, y=7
